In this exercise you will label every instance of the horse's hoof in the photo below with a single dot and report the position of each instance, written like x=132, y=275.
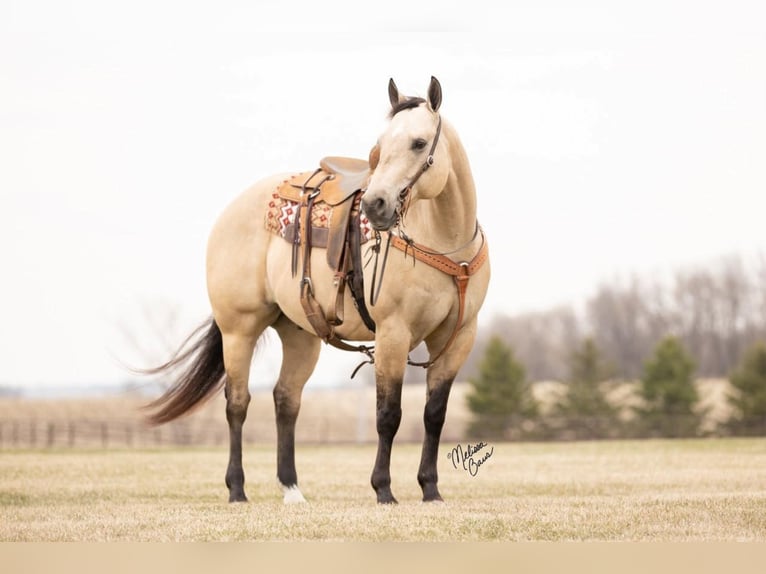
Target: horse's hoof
x=432, y=495
x=292, y=495
x=237, y=498
x=387, y=499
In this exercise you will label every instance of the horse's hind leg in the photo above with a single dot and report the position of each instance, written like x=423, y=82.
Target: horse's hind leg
x=240, y=333
x=300, y=352
x=439, y=380
x=237, y=352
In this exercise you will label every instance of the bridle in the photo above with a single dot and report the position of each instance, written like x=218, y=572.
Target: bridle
x=403, y=202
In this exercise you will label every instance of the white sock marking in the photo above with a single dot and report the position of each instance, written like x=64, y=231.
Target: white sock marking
x=292, y=494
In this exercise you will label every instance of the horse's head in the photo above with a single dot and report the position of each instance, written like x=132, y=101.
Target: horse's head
x=410, y=160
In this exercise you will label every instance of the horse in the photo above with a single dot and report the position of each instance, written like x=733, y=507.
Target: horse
x=417, y=194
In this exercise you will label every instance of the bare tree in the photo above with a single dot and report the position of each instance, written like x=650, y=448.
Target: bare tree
x=542, y=342
x=624, y=324
x=149, y=333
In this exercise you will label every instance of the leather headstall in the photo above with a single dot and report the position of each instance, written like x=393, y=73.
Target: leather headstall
x=404, y=194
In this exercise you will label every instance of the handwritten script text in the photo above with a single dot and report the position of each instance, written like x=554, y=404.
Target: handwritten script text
x=471, y=457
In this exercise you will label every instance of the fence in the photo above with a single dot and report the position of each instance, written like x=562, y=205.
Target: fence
x=336, y=416
x=31, y=433
x=326, y=417
x=128, y=433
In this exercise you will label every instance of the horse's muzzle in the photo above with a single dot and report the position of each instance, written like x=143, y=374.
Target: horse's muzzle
x=380, y=213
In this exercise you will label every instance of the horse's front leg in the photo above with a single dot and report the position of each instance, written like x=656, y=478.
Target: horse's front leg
x=390, y=362
x=440, y=377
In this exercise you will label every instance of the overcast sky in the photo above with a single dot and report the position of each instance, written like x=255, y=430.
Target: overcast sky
x=604, y=140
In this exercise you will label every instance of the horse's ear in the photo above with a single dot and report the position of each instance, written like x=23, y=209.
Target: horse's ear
x=393, y=93
x=435, y=94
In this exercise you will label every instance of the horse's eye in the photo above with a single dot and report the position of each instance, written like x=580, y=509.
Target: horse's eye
x=419, y=144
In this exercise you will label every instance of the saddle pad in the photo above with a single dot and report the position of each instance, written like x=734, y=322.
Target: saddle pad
x=280, y=218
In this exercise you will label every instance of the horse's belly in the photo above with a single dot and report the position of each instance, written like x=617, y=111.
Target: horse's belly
x=285, y=290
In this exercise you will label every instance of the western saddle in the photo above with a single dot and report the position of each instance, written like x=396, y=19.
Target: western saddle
x=338, y=182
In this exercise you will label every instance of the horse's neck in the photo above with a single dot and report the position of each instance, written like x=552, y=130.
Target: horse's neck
x=448, y=221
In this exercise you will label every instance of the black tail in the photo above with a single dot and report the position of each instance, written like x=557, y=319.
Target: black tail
x=201, y=378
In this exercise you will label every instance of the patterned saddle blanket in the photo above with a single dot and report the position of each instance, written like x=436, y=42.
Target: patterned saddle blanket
x=335, y=184
x=280, y=220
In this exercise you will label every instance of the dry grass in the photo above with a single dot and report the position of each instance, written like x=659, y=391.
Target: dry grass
x=699, y=490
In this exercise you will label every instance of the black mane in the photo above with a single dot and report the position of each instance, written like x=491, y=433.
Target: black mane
x=406, y=104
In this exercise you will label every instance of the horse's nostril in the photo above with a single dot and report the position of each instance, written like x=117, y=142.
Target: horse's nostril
x=375, y=206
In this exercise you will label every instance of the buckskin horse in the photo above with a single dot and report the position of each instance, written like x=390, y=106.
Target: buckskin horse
x=282, y=254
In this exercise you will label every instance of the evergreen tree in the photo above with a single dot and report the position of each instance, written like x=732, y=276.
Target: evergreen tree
x=500, y=398
x=584, y=410
x=668, y=393
x=748, y=401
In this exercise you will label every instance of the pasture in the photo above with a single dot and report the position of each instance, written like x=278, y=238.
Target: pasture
x=668, y=491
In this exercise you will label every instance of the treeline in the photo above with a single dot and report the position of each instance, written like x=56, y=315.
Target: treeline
x=716, y=311
x=664, y=403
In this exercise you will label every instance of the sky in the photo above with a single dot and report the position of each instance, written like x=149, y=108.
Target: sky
x=605, y=138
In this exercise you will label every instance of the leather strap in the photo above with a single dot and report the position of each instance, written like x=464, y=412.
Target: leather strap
x=310, y=305
x=323, y=326
x=355, y=270
x=404, y=195
x=442, y=262
x=460, y=273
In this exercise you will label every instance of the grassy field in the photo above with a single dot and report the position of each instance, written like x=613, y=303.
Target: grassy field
x=697, y=490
